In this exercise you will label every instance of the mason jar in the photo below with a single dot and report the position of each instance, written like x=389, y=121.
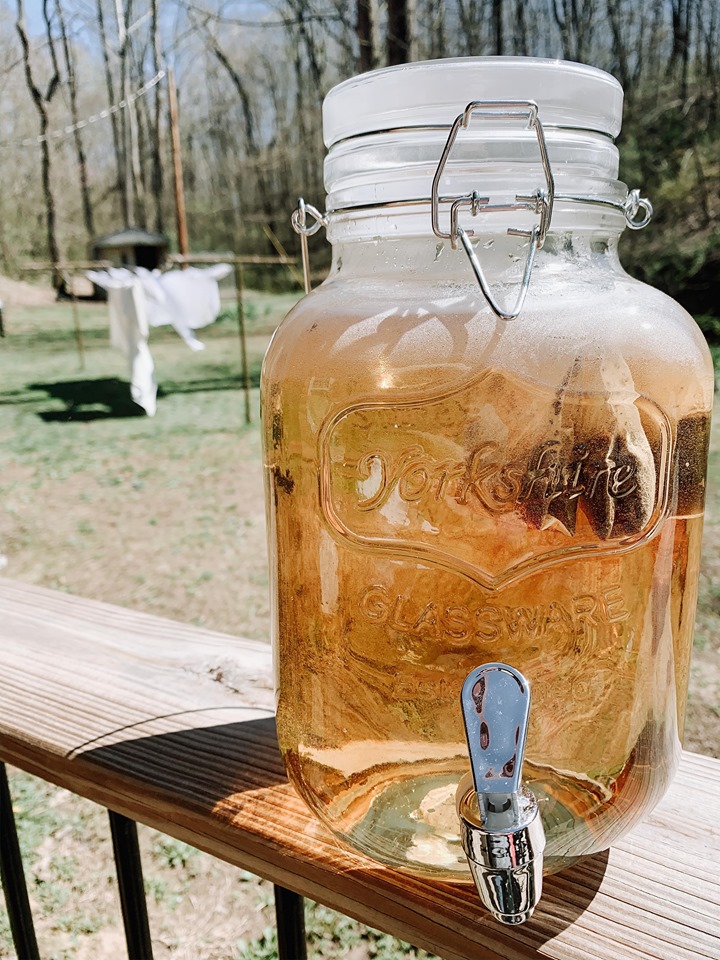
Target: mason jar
x=484, y=442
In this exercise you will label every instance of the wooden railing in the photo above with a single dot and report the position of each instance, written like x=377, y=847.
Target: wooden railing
x=172, y=726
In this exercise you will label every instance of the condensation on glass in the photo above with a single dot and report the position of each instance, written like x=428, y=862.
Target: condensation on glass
x=446, y=487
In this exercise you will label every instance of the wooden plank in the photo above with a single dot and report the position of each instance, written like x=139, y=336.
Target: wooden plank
x=173, y=726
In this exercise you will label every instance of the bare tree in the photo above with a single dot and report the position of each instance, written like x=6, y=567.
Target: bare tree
x=75, y=117
x=307, y=39
x=118, y=139
x=435, y=27
x=682, y=11
x=132, y=174
x=366, y=30
x=520, y=35
x=708, y=53
x=41, y=101
x=400, y=31
x=617, y=26
x=497, y=25
x=470, y=15
x=252, y=145
x=156, y=152
x=575, y=20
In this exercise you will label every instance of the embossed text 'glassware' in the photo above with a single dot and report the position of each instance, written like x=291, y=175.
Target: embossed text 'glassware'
x=447, y=488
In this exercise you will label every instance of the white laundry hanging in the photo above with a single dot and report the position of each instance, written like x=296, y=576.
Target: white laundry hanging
x=138, y=299
x=186, y=299
x=129, y=331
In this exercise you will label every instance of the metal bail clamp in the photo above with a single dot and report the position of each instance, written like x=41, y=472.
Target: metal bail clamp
x=301, y=227
x=540, y=202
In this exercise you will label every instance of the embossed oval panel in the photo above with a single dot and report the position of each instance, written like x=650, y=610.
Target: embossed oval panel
x=498, y=478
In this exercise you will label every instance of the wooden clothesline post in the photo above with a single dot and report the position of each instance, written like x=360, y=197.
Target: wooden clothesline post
x=70, y=266
x=237, y=263
x=243, y=341
x=76, y=322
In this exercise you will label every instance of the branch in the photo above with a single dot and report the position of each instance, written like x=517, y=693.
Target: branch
x=24, y=42
x=235, y=77
x=54, y=81
x=284, y=22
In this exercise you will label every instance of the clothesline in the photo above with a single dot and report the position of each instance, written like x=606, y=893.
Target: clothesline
x=102, y=115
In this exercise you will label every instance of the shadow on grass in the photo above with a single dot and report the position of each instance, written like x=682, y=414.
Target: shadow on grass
x=109, y=398
x=109, y=393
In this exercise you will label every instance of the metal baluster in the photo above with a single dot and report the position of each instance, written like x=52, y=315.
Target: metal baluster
x=132, y=892
x=13, y=878
x=290, y=918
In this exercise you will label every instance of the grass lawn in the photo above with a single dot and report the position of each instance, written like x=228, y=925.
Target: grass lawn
x=166, y=514
x=163, y=514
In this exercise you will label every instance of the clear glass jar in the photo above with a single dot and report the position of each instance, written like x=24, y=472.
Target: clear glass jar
x=446, y=487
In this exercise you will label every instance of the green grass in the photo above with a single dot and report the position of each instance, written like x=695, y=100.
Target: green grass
x=331, y=936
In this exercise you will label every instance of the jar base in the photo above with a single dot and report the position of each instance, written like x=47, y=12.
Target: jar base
x=412, y=825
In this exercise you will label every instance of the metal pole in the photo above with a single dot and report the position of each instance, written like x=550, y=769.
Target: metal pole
x=290, y=918
x=76, y=323
x=241, y=333
x=130, y=881
x=177, y=167
x=13, y=878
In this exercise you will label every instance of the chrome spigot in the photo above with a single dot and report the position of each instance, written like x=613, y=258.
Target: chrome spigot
x=502, y=833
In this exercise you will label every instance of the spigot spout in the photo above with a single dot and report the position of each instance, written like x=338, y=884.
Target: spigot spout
x=501, y=829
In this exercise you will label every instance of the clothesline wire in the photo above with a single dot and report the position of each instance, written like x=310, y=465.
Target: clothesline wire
x=102, y=115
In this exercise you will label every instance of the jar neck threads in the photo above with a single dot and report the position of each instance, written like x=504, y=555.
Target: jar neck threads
x=422, y=258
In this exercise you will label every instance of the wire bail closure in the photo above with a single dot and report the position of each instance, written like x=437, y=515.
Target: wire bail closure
x=637, y=210
x=540, y=202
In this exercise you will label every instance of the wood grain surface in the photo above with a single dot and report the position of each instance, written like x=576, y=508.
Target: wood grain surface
x=173, y=726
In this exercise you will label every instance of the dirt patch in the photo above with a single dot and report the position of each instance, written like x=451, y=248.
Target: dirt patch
x=18, y=293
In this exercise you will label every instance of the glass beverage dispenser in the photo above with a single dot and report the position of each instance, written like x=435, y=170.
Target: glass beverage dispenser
x=485, y=451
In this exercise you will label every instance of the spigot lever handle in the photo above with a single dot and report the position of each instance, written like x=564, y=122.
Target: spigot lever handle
x=496, y=709
x=501, y=830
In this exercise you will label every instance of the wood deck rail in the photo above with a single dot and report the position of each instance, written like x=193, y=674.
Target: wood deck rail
x=172, y=726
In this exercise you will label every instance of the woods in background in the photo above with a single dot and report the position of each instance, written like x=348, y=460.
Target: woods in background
x=251, y=77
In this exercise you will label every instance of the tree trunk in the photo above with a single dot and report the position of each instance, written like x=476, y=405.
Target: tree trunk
x=521, y=46
x=562, y=19
x=121, y=18
x=366, y=30
x=118, y=144
x=497, y=22
x=437, y=47
x=75, y=117
x=614, y=9
x=156, y=137
x=400, y=31
x=41, y=102
x=470, y=16
x=132, y=111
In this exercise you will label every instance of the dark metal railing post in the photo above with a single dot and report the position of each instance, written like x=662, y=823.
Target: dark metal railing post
x=13, y=878
x=132, y=892
x=290, y=918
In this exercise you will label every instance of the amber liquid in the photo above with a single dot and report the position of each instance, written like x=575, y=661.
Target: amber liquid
x=419, y=537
